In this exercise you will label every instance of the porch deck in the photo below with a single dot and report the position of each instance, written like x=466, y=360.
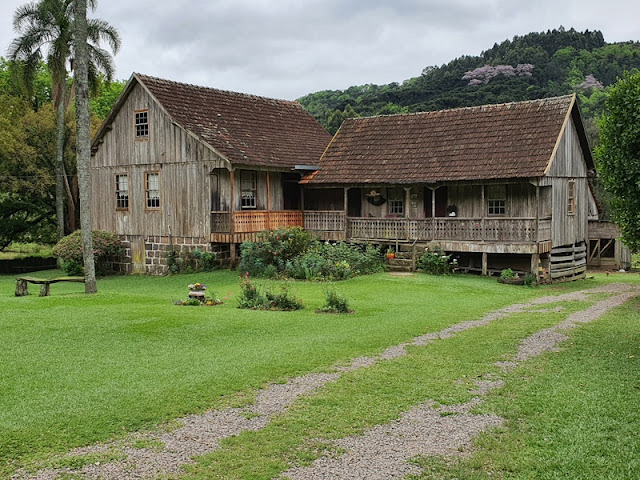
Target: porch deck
x=335, y=225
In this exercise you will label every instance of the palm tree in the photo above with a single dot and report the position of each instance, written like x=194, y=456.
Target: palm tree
x=46, y=32
x=83, y=140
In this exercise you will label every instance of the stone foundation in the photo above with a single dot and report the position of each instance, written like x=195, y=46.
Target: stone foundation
x=151, y=254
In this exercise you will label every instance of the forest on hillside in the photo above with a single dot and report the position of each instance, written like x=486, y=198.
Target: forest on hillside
x=536, y=65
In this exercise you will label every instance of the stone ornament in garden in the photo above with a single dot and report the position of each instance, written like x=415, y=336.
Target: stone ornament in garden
x=197, y=296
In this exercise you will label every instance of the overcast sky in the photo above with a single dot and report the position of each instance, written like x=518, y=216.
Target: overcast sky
x=288, y=48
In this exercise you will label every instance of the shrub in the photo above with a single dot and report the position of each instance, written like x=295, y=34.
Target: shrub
x=72, y=268
x=251, y=297
x=283, y=300
x=530, y=280
x=106, y=246
x=273, y=248
x=434, y=261
x=334, y=302
x=507, y=273
x=204, y=261
x=324, y=261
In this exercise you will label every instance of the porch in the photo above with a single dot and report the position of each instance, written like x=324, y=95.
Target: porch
x=336, y=225
x=236, y=227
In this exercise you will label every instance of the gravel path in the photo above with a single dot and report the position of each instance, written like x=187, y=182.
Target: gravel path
x=382, y=452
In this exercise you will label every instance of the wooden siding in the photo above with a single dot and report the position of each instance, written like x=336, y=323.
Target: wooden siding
x=520, y=200
x=184, y=166
x=569, y=158
x=567, y=165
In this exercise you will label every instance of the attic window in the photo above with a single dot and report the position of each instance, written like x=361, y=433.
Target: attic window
x=571, y=198
x=497, y=199
x=248, y=186
x=142, y=123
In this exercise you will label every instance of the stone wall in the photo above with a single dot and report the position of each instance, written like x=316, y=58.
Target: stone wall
x=155, y=252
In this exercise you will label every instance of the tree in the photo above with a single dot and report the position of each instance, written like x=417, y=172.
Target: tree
x=26, y=180
x=618, y=156
x=46, y=31
x=83, y=141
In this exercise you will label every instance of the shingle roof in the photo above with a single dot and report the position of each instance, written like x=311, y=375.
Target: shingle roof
x=246, y=129
x=512, y=140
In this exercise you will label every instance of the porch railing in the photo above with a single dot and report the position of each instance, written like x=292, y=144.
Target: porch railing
x=445, y=228
x=254, y=221
x=325, y=221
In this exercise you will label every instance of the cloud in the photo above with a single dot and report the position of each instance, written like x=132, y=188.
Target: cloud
x=288, y=48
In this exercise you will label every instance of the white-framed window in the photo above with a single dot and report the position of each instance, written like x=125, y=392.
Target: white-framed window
x=122, y=192
x=152, y=190
x=396, y=201
x=141, y=123
x=248, y=187
x=496, y=199
x=571, y=197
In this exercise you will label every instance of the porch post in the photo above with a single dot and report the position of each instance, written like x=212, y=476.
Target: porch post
x=407, y=201
x=483, y=209
x=537, y=239
x=346, y=210
x=535, y=258
x=232, y=244
x=433, y=202
x=484, y=263
x=268, y=219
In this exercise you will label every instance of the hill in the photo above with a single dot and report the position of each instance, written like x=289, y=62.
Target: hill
x=532, y=66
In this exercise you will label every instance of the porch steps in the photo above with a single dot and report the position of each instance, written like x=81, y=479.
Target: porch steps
x=408, y=248
x=400, y=264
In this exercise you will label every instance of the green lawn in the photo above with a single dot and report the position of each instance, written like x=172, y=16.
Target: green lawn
x=78, y=369
x=21, y=250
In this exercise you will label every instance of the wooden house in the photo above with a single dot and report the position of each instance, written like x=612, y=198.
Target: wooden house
x=497, y=186
x=176, y=167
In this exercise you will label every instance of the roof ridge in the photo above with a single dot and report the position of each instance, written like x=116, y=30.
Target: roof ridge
x=473, y=107
x=143, y=76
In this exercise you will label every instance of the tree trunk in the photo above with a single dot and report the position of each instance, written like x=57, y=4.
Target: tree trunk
x=83, y=145
x=60, y=171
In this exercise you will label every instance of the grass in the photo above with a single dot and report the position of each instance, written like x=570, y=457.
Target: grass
x=569, y=415
x=79, y=369
x=443, y=372
x=22, y=250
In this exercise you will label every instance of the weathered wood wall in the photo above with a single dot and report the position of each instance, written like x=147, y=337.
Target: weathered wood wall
x=183, y=164
x=568, y=164
x=520, y=200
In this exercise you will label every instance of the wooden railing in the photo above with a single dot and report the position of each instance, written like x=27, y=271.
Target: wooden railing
x=254, y=221
x=445, y=228
x=325, y=221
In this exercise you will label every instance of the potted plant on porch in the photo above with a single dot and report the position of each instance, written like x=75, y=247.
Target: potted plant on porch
x=390, y=253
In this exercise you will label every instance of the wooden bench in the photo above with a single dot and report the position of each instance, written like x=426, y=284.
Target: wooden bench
x=22, y=290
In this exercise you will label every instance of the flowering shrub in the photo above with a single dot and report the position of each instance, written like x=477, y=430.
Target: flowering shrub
x=434, y=261
x=283, y=300
x=250, y=296
x=272, y=250
x=106, y=246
